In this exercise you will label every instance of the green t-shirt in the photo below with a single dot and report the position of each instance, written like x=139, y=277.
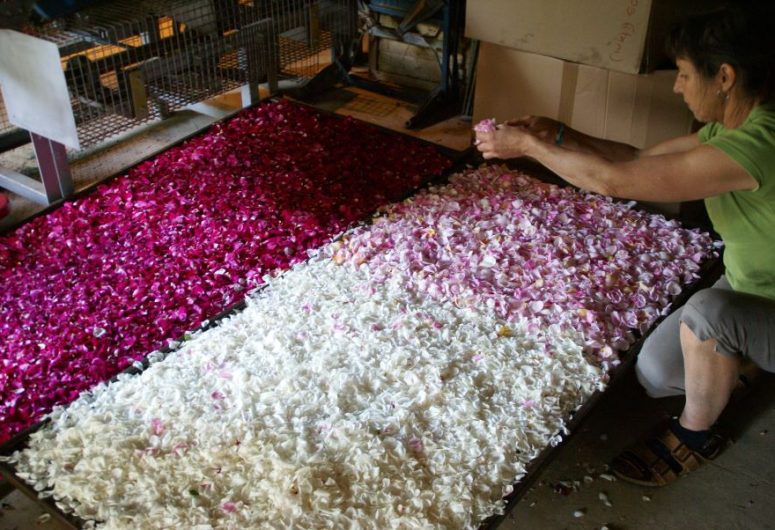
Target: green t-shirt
x=746, y=219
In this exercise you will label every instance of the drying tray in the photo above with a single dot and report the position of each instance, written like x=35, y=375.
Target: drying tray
x=709, y=273
x=458, y=158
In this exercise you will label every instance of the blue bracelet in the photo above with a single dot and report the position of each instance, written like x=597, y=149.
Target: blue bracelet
x=560, y=136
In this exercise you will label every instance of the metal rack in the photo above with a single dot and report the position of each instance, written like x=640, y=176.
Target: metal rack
x=129, y=62
x=448, y=16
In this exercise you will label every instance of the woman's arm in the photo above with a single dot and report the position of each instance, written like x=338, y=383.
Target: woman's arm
x=699, y=172
x=547, y=129
x=674, y=145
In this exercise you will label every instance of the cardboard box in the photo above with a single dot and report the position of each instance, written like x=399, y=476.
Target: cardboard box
x=622, y=35
x=640, y=110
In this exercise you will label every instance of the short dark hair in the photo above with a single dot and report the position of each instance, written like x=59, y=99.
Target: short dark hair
x=739, y=34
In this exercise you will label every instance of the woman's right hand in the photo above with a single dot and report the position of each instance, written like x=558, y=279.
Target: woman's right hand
x=505, y=141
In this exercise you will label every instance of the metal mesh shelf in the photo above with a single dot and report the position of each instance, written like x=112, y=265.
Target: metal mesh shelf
x=130, y=62
x=127, y=62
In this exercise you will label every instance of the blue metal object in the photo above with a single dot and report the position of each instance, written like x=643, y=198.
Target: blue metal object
x=50, y=9
x=402, y=8
x=437, y=104
x=444, y=98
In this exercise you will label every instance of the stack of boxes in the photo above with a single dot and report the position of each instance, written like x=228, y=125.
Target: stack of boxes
x=598, y=66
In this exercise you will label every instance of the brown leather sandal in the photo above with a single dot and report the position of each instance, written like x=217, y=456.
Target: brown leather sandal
x=662, y=459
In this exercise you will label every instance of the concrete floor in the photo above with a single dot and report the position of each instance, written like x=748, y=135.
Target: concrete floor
x=572, y=491
x=735, y=491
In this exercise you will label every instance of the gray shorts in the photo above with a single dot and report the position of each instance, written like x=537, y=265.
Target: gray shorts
x=742, y=324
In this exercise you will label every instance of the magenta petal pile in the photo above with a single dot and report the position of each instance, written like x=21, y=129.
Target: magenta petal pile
x=486, y=125
x=535, y=253
x=102, y=281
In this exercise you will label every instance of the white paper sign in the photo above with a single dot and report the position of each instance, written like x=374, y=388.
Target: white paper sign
x=34, y=87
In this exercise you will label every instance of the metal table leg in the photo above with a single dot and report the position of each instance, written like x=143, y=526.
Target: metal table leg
x=55, y=183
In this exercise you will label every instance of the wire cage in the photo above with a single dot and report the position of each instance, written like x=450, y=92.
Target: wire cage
x=130, y=61
x=305, y=31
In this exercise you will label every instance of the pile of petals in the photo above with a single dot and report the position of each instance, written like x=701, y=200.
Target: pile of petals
x=98, y=283
x=329, y=402
x=542, y=253
x=486, y=125
x=403, y=378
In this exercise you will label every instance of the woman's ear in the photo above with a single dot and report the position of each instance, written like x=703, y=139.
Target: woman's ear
x=727, y=76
